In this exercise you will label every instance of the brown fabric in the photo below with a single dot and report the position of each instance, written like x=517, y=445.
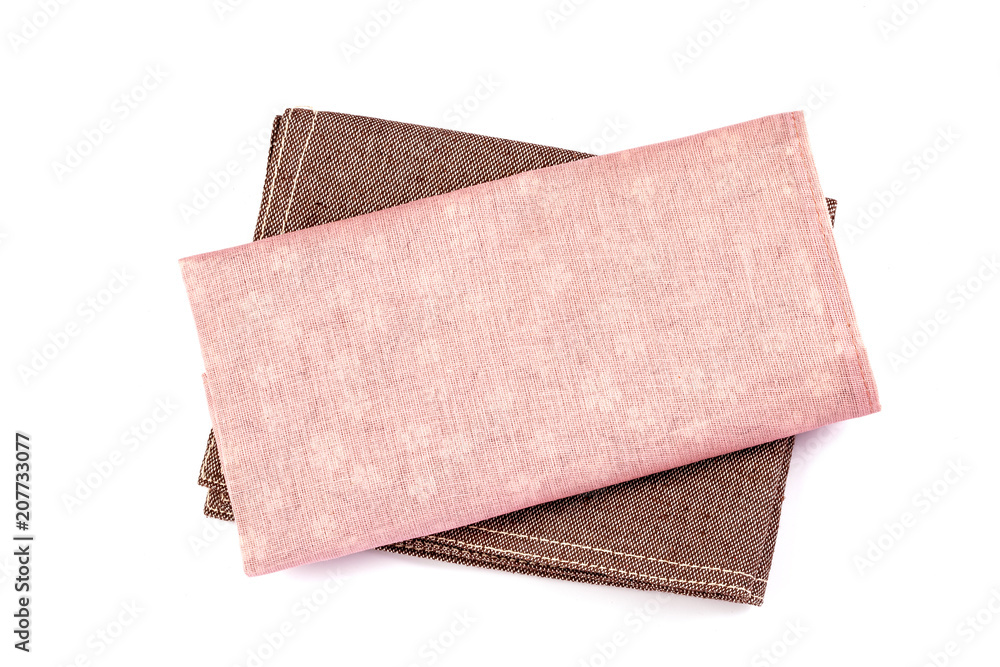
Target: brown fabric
x=705, y=529
x=217, y=505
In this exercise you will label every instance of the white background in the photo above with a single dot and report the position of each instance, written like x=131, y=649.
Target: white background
x=878, y=100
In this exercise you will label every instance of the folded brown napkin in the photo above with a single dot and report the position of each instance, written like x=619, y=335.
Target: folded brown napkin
x=704, y=529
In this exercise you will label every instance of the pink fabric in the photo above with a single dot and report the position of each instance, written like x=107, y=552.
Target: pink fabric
x=540, y=336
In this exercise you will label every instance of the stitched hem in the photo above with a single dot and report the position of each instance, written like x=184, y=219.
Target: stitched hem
x=513, y=561
x=266, y=208
x=298, y=171
x=617, y=553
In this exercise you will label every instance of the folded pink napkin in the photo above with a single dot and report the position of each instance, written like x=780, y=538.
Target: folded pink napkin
x=523, y=340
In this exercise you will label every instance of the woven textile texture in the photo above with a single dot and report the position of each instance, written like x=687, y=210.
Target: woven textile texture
x=515, y=342
x=706, y=529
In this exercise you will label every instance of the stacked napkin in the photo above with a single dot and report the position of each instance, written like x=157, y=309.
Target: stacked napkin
x=488, y=345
